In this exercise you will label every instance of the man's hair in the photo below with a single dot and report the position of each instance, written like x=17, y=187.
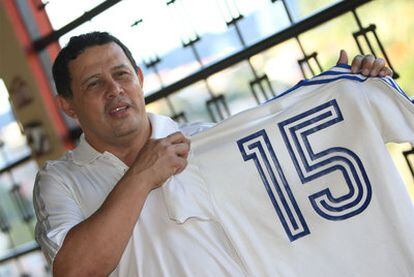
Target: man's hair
x=73, y=49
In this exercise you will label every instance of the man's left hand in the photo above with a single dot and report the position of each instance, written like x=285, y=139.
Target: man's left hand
x=367, y=65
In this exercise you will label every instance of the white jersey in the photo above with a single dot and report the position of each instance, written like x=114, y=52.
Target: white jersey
x=304, y=186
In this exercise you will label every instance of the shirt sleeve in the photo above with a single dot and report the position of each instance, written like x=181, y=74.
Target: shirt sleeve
x=392, y=109
x=56, y=211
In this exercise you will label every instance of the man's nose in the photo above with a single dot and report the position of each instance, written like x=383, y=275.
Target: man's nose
x=114, y=89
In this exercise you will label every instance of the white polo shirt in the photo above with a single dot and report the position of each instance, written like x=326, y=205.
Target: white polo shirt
x=69, y=190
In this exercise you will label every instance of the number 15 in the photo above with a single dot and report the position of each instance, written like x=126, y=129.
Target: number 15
x=309, y=165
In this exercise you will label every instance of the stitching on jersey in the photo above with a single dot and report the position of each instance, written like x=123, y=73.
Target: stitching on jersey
x=405, y=99
x=43, y=225
x=217, y=218
x=378, y=124
x=311, y=82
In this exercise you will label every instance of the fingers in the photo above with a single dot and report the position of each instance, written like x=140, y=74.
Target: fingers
x=368, y=65
x=180, y=142
x=159, y=159
x=179, y=157
x=182, y=149
x=343, y=57
x=378, y=65
x=177, y=137
x=181, y=168
x=356, y=63
x=178, y=147
x=386, y=71
x=363, y=64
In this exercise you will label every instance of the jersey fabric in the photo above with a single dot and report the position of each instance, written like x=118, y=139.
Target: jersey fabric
x=303, y=185
x=69, y=190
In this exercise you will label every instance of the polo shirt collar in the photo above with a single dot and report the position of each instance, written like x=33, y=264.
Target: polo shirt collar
x=84, y=153
x=161, y=126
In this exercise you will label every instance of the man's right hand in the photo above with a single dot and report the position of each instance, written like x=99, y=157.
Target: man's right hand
x=159, y=159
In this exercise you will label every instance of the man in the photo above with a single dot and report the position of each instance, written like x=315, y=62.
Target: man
x=99, y=207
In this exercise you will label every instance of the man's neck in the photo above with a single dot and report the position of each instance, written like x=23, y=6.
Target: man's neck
x=126, y=148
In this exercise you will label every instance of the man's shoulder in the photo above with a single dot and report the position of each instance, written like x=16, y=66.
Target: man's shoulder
x=59, y=166
x=53, y=178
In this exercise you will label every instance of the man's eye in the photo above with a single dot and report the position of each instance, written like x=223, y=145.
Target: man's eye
x=122, y=73
x=93, y=84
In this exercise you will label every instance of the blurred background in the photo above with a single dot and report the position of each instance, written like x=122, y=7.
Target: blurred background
x=203, y=60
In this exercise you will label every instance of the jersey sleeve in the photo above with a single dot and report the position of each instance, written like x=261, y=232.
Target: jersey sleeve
x=392, y=110
x=56, y=211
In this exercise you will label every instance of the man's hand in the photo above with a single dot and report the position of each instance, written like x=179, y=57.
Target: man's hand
x=161, y=158
x=367, y=65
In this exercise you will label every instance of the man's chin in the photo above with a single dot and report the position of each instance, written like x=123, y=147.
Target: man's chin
x=128, y=128
x=125, y=133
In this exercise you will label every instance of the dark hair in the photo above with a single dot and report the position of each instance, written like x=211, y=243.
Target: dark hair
x=73, y=49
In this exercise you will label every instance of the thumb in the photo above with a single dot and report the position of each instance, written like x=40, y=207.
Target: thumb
x=343, y=57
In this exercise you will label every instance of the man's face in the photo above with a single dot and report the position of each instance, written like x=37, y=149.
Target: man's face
x=107, y=98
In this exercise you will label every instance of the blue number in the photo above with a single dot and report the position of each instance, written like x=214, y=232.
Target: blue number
x=310, y=165
x=257, y=147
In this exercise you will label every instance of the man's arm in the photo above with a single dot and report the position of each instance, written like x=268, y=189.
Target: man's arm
x=94, y=246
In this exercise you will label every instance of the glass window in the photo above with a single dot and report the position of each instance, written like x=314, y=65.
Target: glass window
x=154, y=28
x=262, y=19
x=13, y=144
x=152, y=82
x=192, y=101
x=233, y=83
x=20, y=178
x=32, y=264
x=328, y=48
x=395, y=30
x=72, y=10
x=159, y=107
x=302, y=9
x=280, y=63
x=177, y=64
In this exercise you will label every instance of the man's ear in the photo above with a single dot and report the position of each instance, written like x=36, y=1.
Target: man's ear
x=67, y=106
x=140, y=77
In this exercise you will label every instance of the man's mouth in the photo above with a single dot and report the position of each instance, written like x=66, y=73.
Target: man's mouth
x=118, y=111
